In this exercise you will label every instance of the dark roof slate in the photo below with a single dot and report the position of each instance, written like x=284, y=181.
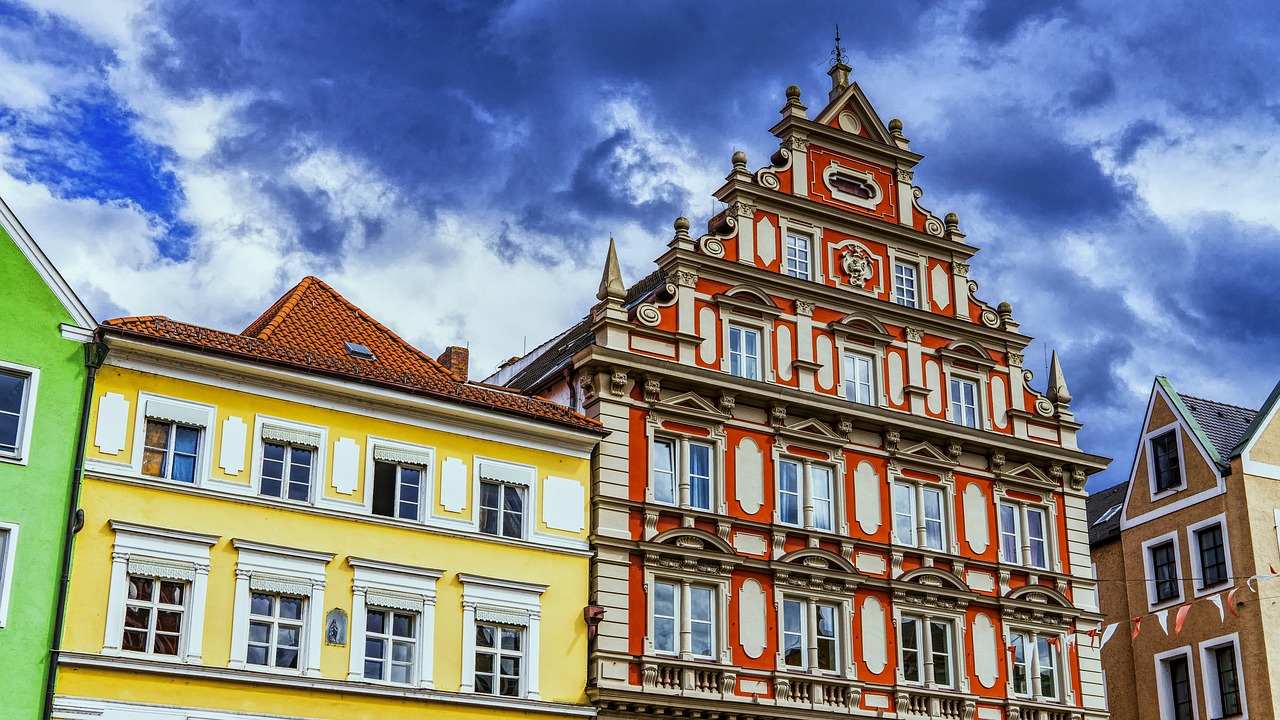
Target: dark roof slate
x=1097, y=505
x=1223, y=424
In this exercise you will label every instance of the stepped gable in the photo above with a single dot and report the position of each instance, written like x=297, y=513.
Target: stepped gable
x=308, y=329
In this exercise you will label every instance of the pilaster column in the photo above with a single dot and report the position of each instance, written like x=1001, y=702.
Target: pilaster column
x=240, y=621
x=468, y=683
x=195, y=622
x=532, y=659
x=119, y=590
x=315, y=630
x=355, y=638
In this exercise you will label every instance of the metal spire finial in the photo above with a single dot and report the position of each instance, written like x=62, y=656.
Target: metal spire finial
x=838, y=56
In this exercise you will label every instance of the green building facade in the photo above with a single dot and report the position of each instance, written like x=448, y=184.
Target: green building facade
x=43, y=331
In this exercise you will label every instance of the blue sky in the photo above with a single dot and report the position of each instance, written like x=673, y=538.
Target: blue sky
x=457, y=168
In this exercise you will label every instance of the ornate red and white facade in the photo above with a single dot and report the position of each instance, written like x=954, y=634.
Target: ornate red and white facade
x=830, y=486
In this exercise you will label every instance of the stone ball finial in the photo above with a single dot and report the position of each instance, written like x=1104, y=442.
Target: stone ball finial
x=739, y=158
x=682, y=224
x=1004, y=308
x=895, y=126
x=793, y=92
x=952, y=219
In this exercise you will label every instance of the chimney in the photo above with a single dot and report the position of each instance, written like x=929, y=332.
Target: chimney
x=454, y=358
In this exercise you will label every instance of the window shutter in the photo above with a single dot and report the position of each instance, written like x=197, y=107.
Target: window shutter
x=293, y=436
x=502, y=616
x=404, y=456
x=165, y=569
x=393, y=600
x=173, y=412
x=281, y=585
x=506, y=474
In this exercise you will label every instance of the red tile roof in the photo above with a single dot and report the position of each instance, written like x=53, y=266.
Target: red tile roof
x=307, y=329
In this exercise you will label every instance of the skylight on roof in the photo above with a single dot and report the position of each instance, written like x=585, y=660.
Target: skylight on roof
x=1110, y=513
x=356, y=350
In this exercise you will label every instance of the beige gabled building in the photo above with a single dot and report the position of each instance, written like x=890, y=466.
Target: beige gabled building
x=1175, y=548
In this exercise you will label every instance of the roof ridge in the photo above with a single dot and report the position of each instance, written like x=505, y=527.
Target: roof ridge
x=134, y=318
x=383, y=328
x=1218, y=402
x=267, y=322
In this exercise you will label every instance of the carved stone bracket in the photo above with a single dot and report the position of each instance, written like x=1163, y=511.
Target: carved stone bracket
x=805, y=308
x=618, y=382
x=1015, y=359
x=686, y=278
x=652, y=389
x=777, y=415
x=960, y=269
x=954, y=450
x=727, y=403
x=905, y=176
x=914, y=334
x=1078, y=478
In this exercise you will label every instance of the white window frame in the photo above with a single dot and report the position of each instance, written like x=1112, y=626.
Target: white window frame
x=27, y=415
x=503, y=602
x=1148, y=569
x=1197, y=569
x=843, y=638
x=979, y=399
x=903, y=257
x=185, y=412
x=1209, y=674
x=319, y=468
x=161, y=553
x=421, y=457
x=945, y=490
x=758, y=358
x=513, y=474
x=806, y=245
x=957, y=670
x=806, y=506
x=402, y=588
x=683, y=636
x=1031, y=639
x=8, y=565
x=846, y=375
x=276, y=569
x=1165, y=688
x=682, y=485
x=1022, y=509
x=1148, y=447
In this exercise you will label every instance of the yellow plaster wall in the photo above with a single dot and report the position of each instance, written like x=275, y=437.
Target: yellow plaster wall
x=247, y=403
x=1266, y=444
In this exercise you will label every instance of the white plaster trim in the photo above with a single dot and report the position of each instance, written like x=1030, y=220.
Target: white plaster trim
x=955, y=619
x=1148, y=570
x=206, y=673
x=947, y=486
x=920, y=262
x=835, y=465
x=75, y=333
x=52, y=278
x=529, y=514
x=28, y=414
x=1193, y=547
x=204, y=450
x=1174, y=427
x=978, y=378
x=175, y=546
x=1164, y=690
x=1030, y=635
x=721, y=587
x=305, y=566
x=318, y=469
x=339, y=395
x=846, y=667
x=875, y=354
x=1209, y=675
x=418, y=583
x=520, y=598
x=1254, y=467
x=7, y=567
x=718, y=442
x=427, y=489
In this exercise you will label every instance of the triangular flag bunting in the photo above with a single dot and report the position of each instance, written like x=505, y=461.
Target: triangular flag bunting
x=1137, y=625
x=1272, y=568
x=1072, y=640
x=1163, y=617
x=1093, y=637
x=1217, y=601
x=1052, y=641
x=1111, y=630
x=1180, y=618
x=1231, y=600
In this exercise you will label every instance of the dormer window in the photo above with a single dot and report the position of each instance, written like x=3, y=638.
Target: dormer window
x=358, y=351
x=1164, y=454
x=852, y=186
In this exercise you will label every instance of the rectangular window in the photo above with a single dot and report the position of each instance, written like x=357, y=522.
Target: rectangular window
x=397, y=490
x=825, y=637
x=700, y=476
x=1013, y=535
x=1228, y=681
x=153, y=615
x=823, y=500
x=7, y=540
x=390, y=645
x=1164, y=453
x=1164, y=565
x=794, y=634
x=904, y=284
x=670, y=468
x=14, y=389
x=797, y=257
x=1213, y=556
x=170, y=450
x=744, y=352
x=499, y=655
x=799, y=635
x=859, y=378
x=501, y=509
x=964, y=402
x=935, y=534
x=275, y=630
x=664, y=471
x=1047, y=656
x=789, y=477
x=1179, y=678
x=666, y=617
x=702, y=621
x=286, y=471
x=1021, y=665
x=926, y=655
x=904, y=513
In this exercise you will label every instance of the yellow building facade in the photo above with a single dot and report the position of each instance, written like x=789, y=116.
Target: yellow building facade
x=311, y=519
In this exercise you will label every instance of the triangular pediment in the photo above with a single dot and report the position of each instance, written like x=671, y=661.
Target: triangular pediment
x=813, y=431
x=860, y=117
x=691, y=404
x=927, y=452
x=1028, y=472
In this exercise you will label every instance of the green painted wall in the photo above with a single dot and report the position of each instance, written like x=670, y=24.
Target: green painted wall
x=35, y=495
